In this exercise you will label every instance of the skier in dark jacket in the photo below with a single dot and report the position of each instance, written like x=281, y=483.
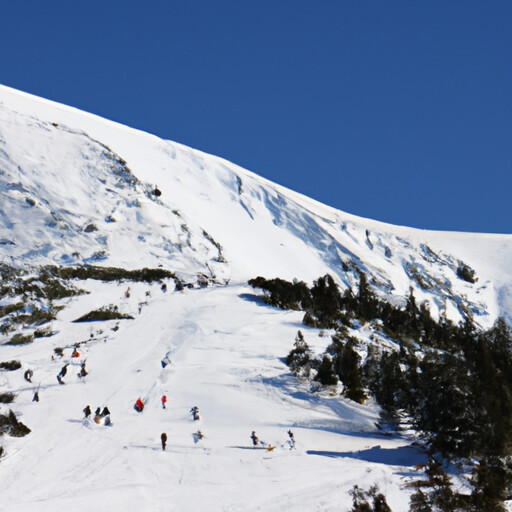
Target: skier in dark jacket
x=97, y=412
x=87, y=411
x=64, y=370
x=105, y=411
x=28, y=375
x=195, y=413
x=292, y=439
x=83, y=372
x=35, y=398
x=255, y=439
x=163, y=437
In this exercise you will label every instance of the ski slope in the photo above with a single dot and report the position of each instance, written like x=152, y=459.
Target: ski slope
x=227, y=351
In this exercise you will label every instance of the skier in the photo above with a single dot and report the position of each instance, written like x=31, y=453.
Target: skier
x=139, y=405
x=165, y=361
x=163, y=437
x=28, y=375
x=105, y=412
x=36, y=397
x=64, y=370
x=198, y=436
x=255, y=439
x=87, y=411
x=83, y=372
x=164, y=401
x=75, y=353
x=292, y=439
x=195, y=413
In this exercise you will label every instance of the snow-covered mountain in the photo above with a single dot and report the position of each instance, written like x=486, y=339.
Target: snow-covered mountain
x=76, y=189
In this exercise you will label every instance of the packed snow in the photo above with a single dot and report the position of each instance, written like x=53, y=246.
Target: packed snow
x=226, y=349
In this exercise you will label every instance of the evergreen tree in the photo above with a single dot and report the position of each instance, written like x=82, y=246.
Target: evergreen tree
x=299, y=358
x=325, y=374
x=361, y=500
x=347, y=367
x=326, y=302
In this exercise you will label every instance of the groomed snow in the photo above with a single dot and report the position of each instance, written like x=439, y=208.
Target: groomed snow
x=227, y=351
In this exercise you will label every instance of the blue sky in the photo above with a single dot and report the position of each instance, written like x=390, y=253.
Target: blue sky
x=399, y=111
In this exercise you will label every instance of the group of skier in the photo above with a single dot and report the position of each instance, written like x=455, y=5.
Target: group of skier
x=256, y=441
x=103, y=416
x=99, y=415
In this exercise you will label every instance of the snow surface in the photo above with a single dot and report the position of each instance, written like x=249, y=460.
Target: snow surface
x=227, y=350
x=77, y=189
x=63, y=170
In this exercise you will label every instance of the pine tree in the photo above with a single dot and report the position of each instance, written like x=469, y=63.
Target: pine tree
x=346, y=364
x=325, y=374
x=299, y=358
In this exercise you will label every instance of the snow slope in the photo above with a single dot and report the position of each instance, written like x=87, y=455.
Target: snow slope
x=78, y=189
x=66, y=175
x=226, y=349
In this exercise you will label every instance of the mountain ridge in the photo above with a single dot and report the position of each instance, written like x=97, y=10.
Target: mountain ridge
x=232, y=223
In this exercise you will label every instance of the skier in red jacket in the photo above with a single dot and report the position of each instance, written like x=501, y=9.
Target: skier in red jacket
x=164, y=401
x=139, y=405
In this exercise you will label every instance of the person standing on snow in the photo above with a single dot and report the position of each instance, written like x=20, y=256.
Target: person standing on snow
x=197, y=436
x=139, y=405
x=83, y=372
x=292, y=439
x=164, y=401
x=163, y=437
x=62, y=373
x=255, y=439
x=87, y=412
x=28, y=375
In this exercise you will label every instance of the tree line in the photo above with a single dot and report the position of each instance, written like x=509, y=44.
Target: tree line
x=452, y=381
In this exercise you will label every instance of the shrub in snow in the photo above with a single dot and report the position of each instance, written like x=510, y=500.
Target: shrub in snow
x=106, y=313
x=466, y=273
x=11, y=308
x=10, y=365
x=90, y=228
x=21, y=339
x=10, y=425
x=6, y=398
x=44, y=332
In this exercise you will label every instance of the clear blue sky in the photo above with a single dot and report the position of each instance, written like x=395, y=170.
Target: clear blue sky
x=399, y=111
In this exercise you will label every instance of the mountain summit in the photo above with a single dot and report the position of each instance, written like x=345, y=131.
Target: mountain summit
x=77, y=189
